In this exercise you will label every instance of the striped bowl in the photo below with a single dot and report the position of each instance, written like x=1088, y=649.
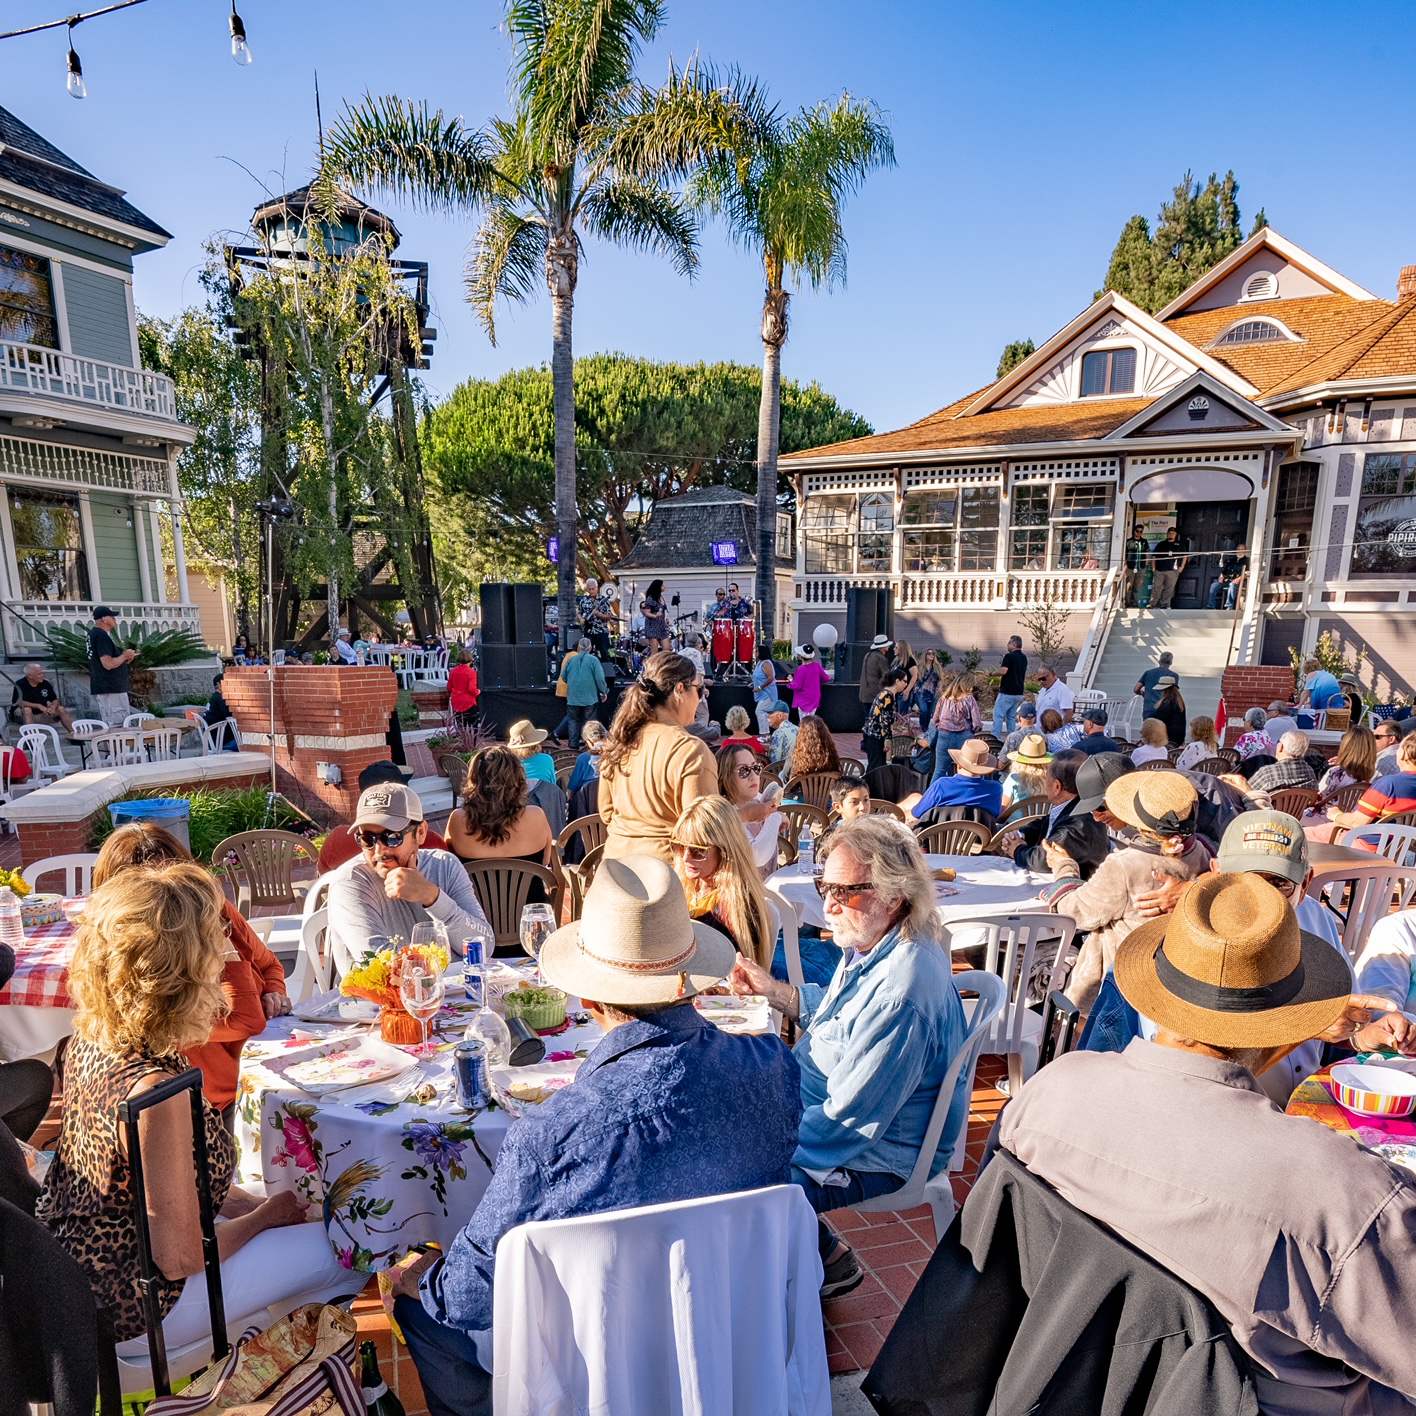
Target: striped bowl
x=1369, y=1090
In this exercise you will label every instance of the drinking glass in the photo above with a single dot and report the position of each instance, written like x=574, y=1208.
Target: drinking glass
x=421, y=990
x=537, y=924
x=429, y=932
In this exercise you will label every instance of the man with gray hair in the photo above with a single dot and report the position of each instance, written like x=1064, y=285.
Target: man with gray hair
x=877, y=1042
x=1148, y=683
x=36, y=700
x=1290, y=770
x=344, y=651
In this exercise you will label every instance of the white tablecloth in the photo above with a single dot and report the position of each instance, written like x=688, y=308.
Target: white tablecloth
x=985, y=885
x=32, y=1032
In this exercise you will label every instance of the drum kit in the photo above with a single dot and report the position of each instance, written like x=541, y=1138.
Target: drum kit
x=734, y=647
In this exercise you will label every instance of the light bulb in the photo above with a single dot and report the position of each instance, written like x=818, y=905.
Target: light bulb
x=240, y=50
x=75, y=80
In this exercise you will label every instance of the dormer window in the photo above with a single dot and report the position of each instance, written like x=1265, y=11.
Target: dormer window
x=1253, y=332
x=1108, y=371
x=1263, y=286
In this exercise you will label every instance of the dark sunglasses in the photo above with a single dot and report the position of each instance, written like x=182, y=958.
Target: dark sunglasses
x=1285, y=887
x=370, y=839
x=847, y=895
x=693, y=853
x=752, y=769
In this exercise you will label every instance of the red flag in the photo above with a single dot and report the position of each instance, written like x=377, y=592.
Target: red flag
x=1221, y=719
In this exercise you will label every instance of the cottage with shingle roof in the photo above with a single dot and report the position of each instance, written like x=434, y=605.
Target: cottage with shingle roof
x=1272, y=404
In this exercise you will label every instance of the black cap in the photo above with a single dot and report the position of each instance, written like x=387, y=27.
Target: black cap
x=1096, y=715
x=101, y=612
x=377, y=772
x=1094, y=776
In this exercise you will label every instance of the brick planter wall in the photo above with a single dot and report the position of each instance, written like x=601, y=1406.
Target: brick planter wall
x=322, y=714
x=432, y=706
x=1246, y=686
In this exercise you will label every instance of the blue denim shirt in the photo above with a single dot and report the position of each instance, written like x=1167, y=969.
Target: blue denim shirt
x=664, y=1108
x=879, y=1041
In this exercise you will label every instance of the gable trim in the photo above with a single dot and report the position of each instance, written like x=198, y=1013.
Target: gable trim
x=1199, y=383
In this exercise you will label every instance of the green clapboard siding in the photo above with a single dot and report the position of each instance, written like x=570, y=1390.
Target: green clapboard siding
x=98, y=316
x=116, y=546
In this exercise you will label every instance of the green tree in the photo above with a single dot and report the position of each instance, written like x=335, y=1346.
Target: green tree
x=780, y=192
x=1196, y=229
x=1014, y=354
x=589, y=149
x=644, y=431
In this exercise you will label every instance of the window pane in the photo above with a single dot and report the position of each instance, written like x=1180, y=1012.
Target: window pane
x=1381, y=474
x=1030, y=506
x=26, y=301
x=49, y=547
x=1093, y=374
x=932, y=508
x=877, y=513
x=1298, y=488
x=980, y=508
x=827, y=554
x=1377, y=518
x=1123, y=370
x=1085, y=547
x=822, y=512
x=873, y=552
x=1029, y=550
x=929, y=550
x=1086, y=500
x=978, y=550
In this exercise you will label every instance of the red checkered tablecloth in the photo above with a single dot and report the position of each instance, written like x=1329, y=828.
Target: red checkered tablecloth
x=41, y=978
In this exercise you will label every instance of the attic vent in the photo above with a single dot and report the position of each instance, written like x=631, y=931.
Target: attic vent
x=1263, y=286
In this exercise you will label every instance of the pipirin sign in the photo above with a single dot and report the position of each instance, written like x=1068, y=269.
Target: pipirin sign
x=1402, y=539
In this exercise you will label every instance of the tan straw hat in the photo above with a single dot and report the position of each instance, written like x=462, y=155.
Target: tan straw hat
x=1032, y=751
x=634, y=941
x=1231, y=968
x=974, y=758
x=1161, y=802
x=524, y=733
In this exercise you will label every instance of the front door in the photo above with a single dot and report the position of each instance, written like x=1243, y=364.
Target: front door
x=1211, y=529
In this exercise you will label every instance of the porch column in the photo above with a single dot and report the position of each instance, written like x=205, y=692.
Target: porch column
x=143, y=541
x=179, y=554
x=90, y=550
x=1258, y=556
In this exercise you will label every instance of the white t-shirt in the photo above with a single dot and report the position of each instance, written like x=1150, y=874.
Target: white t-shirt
x=1059, y=696
x=1278, y=725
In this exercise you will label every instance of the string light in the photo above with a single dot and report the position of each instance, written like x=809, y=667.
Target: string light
x=240, y=50
x=75, y=80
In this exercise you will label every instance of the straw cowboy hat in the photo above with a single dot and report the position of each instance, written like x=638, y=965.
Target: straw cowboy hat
x=1167, y=681
x=1161, y=802
x=634, y=941
x=1231, y=968
x=974, y=758
x=523, y=733
x=1032, y=751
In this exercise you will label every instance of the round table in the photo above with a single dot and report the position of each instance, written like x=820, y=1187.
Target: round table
x=1394, y=1139
x=36, y=1012
x=984, y=885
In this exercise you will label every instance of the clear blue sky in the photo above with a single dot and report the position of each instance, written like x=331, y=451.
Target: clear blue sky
x=1026, y=134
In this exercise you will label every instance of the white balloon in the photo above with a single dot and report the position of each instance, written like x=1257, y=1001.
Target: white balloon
x=824, y=636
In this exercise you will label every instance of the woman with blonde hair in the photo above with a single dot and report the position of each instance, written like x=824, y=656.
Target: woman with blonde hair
x=651, y=767
x=713, y=858
x=523, y=741
x=1203, y=744
x=1155, y=743
x=740, y=784
x=146, y=981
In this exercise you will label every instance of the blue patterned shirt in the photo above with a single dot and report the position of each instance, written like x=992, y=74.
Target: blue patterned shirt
x=664, y=1108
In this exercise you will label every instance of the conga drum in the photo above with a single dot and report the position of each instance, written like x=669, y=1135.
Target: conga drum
x=746, y=642
x=722, y=640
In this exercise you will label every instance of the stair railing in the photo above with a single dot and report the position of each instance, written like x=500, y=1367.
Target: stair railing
x=1089, y=660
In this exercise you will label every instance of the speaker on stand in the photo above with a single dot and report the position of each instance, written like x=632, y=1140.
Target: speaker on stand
x=498, y=619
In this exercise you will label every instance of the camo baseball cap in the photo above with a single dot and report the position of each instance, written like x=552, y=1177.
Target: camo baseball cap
x=1270, y=842
x=389, y=806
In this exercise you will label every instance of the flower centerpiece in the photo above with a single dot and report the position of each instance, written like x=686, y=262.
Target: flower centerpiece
x=375, y=978
x=15, y=881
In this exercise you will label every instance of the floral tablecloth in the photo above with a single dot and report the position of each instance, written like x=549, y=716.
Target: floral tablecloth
x=386, y=1174
x=1394, y=1139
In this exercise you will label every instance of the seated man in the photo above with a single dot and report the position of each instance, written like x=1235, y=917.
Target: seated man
x=1095, y=738
x=35, y=700
x=396, y=881
x=342, y=651
x=782, y=742
x=219, y=711
x=1072, y=829
x=666, y=1107
x=340, y=845
x=1027, y=725
x=973, y=788
x=1280, y=720
x=879, y=1040
x=1295, y=1234
x=1386, y=968
x=1290, y=769
x=1233, y=567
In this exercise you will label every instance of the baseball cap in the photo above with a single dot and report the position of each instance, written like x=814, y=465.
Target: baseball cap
x=1270, y=842
x=1096, y=715
x=779, y=707
x=103, y=612
x=388, y=805
x=377, y=772
x=1094, y=776
x=1027, y=710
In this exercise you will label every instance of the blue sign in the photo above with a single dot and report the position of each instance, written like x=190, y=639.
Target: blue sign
x=724, y=552
x=553, y=547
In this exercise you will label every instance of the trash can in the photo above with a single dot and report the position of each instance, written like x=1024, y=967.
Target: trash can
x=171, y=813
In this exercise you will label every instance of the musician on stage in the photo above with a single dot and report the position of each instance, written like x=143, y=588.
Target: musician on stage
x=739, y=607
x=720, y=605
x=596, y=617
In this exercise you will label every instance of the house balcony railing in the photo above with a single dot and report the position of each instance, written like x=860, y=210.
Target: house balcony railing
x=27, y=622
x=1077, y=590
x=30, y=368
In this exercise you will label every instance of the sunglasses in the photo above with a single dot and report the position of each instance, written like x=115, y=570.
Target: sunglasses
x=1285, y=887
x=753, y=769
x=847, y=895
x=370, y=839
x=696, y=854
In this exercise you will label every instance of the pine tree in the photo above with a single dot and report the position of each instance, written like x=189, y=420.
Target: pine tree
x=1014, y=354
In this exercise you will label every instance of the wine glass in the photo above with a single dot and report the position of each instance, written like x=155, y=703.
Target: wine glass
x=428, y=934
x=537, y=924
x=421, y=989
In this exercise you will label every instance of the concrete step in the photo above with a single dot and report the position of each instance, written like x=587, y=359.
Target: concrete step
x=434, y=792
x=1200, y=640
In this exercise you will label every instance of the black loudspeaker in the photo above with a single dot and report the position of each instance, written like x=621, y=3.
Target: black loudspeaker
x=532, y=665
x=868, y=612
x=854, y=657
x=498, y=666
x=497, y=618
x=528, y=617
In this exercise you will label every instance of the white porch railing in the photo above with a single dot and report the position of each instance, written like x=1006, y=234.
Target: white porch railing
x=984, y=590
x=26, y=622
x=1089, y=659
x=30, y=368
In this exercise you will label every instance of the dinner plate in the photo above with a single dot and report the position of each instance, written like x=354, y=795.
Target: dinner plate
x=749, y=1014
x=536, y=1083
x=330, y=1066
x=335, y=1008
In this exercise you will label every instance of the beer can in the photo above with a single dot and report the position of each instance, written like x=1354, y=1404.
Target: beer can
x=469, y=1064
x=474, y=973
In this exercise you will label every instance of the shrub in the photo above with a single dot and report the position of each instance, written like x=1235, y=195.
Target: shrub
x=407, y=709
x=217, y=815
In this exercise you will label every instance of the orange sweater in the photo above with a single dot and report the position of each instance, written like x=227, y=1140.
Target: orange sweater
x=255, y=972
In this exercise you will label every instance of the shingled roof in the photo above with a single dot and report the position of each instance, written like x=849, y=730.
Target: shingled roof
x=34, y=163
x=680, y=532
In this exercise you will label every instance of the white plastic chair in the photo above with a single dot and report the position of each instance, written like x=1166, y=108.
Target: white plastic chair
x=77, y=868
x=83, y=726
x=312, y=973
x=162, y=744
x=720, y=1294
x=40, y=743
x=791, y=936
x=938, y=1192
x=119, y=747
x=1011, y=946
x=1396, y=843
x=1375, y=891
x=136, y=720
x=10, y=789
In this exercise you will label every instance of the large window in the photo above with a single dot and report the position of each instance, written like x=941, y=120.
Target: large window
x=826, y=530
x=1388, y=501
x=951, y=528
x=1061, y=527
x=1295, y=500
x=978, y=529
x=1027, y=546
x=1108, y=371
x=26, y=300
x=49, y=546
x=877, y=527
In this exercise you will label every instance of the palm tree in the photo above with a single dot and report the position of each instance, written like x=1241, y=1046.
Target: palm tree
x=588, y=148
x=780, y=194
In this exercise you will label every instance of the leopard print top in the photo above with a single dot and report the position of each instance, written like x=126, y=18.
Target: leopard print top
x=87, y=1202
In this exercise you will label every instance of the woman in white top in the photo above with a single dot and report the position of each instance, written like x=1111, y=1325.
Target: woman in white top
x=1155, y=743
x=1202, y=746
x=739, y=780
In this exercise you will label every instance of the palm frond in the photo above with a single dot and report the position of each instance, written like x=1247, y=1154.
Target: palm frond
x=399, y=147
x=645, y=217
x=508, y=260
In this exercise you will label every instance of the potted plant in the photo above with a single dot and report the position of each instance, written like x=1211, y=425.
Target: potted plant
x=159, y=649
